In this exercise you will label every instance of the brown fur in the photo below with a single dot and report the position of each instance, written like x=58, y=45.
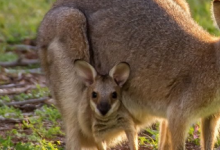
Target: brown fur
x=174, y=62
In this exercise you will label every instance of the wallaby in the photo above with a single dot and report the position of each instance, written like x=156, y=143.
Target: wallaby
x=174, y=62
x=101, y=116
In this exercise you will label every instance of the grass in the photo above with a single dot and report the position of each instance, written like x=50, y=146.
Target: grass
x=19, y=20
x=201, y=12
x=40, y=129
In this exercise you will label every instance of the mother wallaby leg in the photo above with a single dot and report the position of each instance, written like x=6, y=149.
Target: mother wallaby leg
x=62, y=89
x=61, y=40
x=209, y=132
x=164, y=141
x=178, y=125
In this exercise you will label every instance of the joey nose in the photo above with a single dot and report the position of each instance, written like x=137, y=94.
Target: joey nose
x=103, y=107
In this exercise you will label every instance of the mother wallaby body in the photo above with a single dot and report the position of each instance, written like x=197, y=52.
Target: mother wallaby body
x=174, y=62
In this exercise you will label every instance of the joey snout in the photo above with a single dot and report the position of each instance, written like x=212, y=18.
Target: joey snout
x=103, y=107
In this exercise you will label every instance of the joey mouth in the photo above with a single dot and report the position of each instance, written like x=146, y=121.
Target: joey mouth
x=104, y=109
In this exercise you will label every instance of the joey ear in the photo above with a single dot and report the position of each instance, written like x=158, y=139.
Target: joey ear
x=85, y=71
x=120, y=73
x=216, y=11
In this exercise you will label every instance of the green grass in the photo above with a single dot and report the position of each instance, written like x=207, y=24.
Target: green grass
x=40, y=135
x=19, y=19
x=201, y=12
x=43, y=126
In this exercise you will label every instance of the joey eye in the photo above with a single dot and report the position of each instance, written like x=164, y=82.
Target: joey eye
x=114, y=95
x=94, y=95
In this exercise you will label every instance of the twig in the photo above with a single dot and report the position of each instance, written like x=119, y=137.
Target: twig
x=33, y=71
x=17, y=90
x=11, y=85
x=19, y=62
x=28, y=114
x=14, y=90
x=50, y=102
x=29, y=107
x=10, y=120
x=31, y=101
x=21, y=47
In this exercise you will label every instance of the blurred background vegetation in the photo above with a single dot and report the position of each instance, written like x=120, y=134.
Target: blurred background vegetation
x=202, y=13
x=19, y=19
